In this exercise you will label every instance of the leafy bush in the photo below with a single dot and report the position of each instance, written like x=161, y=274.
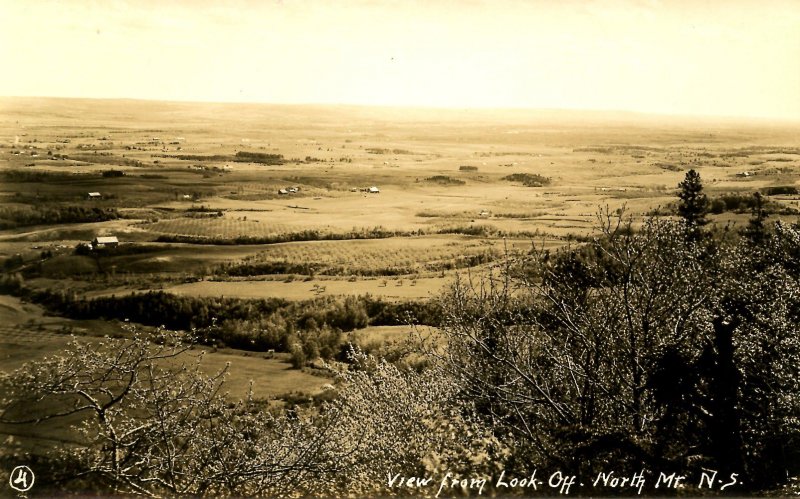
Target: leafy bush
x=148, y=424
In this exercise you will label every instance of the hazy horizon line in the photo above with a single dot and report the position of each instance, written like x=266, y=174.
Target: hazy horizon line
x=421, y=107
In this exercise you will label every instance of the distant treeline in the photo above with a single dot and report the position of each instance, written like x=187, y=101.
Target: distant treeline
x=317, y=268
x=622, y=149
x=310, y=269
x=13, y=217
x=748, y=202
x=124, y=249
x=259, y=157
x=528, y=179
x=786, y=190
x=251, y=324
x=471, y=230
x=306, y=235
x=445, y=180
x=105, y=159
x=380, y=150
x=732, y=202
x=196, y=157
x=24, y=176
x=318, y=235
x=239, y=157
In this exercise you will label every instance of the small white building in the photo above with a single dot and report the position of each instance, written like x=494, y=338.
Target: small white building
x=105, y=242
x=373, y=190
x=94, y=195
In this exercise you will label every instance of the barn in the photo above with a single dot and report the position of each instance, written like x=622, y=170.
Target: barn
x=105, y=242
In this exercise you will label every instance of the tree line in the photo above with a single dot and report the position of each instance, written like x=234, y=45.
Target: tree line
x=240, y=157
x=13, y=217
x=250, y=324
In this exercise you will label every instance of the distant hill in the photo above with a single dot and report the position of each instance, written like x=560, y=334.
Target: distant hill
x=127, y=112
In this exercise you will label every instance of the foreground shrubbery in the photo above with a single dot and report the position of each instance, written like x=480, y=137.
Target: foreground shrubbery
x=147, y=429
x=647, y=350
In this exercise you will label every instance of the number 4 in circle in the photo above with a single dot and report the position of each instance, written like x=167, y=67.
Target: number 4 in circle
x=21, y=479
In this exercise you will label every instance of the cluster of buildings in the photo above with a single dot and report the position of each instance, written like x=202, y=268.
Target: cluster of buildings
x=370, y=190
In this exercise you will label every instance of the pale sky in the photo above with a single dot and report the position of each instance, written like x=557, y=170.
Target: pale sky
x=720, y=57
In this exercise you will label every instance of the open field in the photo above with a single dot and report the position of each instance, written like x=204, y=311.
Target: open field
x=272, y=202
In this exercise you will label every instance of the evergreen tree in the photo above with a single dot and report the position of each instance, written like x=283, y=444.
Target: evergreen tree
x=756, y=230
x=693, y=206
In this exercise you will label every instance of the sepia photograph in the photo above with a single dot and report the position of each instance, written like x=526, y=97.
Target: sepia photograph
x=400, y=248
